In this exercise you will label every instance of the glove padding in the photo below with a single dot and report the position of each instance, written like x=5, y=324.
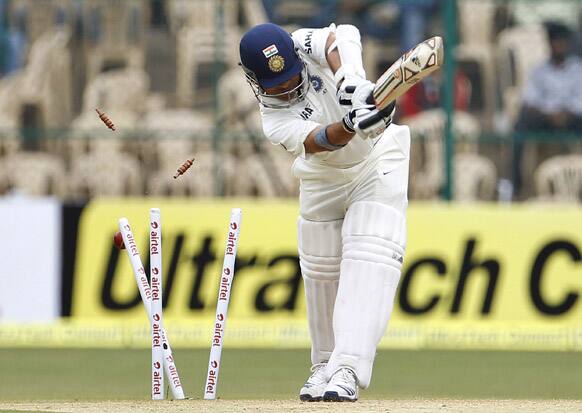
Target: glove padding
x=362, y=105
x=347, y=89
x=372, y=123
x=362, y=96
x=355, y=115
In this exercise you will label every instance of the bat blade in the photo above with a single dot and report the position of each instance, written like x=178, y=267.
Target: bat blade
x=413, y=66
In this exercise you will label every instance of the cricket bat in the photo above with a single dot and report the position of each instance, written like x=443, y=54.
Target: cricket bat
x=416, y=64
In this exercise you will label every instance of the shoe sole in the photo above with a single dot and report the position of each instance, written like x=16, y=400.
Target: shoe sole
x=308, y=398
x=333, y=396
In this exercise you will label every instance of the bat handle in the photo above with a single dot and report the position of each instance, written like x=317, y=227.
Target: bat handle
x=382, y=114
x=387, y=111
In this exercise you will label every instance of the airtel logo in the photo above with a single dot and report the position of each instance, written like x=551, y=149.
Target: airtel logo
x=214, y=364
x=157, y=365
x=156, y=317
x=220, y=317
x=227, y=271
x=233, y=225
x=155, y=270
x=141, y=270
x=127, y=227
x=154, y=225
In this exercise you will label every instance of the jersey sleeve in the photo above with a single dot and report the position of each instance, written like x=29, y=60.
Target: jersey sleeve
x=288, y=131
x=312, y=42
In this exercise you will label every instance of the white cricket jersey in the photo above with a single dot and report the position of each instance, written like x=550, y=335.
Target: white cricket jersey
x=290, y=127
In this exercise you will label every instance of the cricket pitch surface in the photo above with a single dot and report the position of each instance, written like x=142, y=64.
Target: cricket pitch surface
x=292, y=406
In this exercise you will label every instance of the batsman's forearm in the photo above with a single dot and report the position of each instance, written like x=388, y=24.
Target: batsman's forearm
x=333, y=57
x=336, y=134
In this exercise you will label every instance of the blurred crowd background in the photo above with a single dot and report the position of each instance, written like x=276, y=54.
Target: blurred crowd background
x=166, y=73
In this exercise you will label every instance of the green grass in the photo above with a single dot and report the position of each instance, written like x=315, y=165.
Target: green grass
x=34, y=374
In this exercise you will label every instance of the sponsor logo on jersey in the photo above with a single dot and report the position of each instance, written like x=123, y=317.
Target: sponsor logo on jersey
x=270, y=51
x=306, y=113
x=307, y=44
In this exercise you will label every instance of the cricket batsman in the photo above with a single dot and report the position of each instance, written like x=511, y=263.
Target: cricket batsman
x=352, y=162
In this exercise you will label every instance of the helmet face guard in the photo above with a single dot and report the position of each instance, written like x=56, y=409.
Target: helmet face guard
x=281, y=100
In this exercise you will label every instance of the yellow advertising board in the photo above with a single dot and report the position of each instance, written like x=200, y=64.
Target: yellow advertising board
x=475, y=276
x=267, y=280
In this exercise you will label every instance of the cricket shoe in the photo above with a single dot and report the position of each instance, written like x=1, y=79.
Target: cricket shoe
x=342, y=386
x=312, y=390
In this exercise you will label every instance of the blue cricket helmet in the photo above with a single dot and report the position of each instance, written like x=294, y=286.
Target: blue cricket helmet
x=268, y=55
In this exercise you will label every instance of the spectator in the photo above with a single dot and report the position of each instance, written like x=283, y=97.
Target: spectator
x=551, y=99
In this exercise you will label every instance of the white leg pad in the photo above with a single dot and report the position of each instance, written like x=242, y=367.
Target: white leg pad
x=374, y=240
x=320, y=246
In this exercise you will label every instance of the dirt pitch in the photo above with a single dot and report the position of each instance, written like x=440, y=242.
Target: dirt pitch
x=291, y=406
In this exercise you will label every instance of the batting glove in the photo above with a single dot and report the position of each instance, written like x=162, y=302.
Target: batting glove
x=355, y=115
x=373, y=123
x=362, y=96
x=348, y=87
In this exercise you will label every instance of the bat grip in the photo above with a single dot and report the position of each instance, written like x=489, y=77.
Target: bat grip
x=382, y=114
x=387, y=111
x=369, y=121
